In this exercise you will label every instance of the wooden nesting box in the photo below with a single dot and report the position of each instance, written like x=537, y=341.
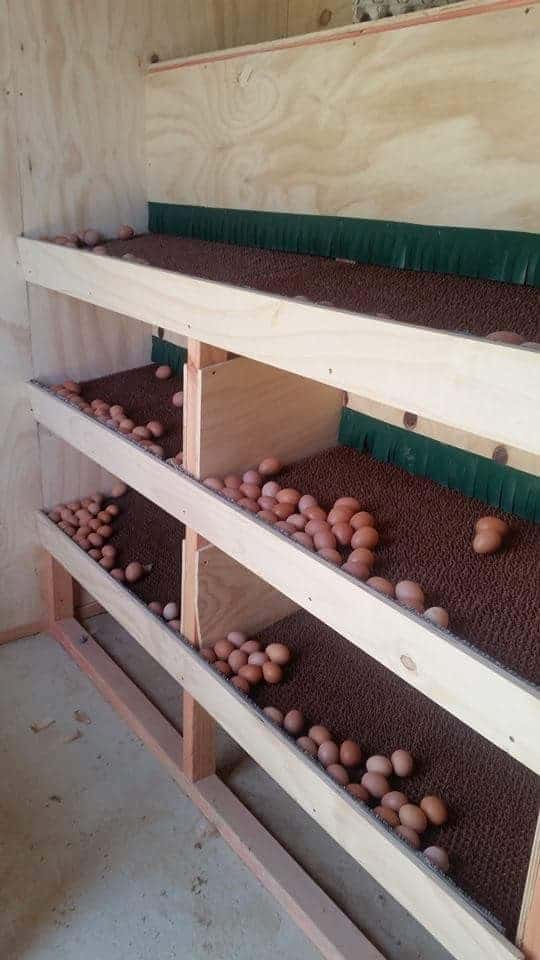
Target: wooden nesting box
x=429, y=120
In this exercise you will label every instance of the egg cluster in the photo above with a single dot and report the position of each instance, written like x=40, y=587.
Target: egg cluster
x=345, y=527
x=508, y=336
x=115, y=416
x=489, y=533
x=370, y=782
x=90, y=239
x=245, y=662
x=168, y=611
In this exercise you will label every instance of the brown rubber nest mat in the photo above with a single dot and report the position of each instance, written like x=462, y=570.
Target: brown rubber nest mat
x=145, y=533
x=440, y=301
x=492, y=799
x=426, y=533
x=143, y=398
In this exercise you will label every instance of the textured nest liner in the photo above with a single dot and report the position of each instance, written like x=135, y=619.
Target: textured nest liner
x=437, y=300
x=426, y=532
x=493, y=799
x=143, y=398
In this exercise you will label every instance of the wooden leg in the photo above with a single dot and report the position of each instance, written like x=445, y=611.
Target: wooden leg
x=528, y=938
x=199, y=736
x=58, y=590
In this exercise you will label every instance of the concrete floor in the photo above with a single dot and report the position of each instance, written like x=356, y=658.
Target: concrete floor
x=103, y=858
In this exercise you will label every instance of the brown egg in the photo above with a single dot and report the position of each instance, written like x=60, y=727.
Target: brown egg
x=163, y=372
x=118, y=574
x=358, y=791
x=297, y=521
x=362, y=555
x=156, y=607
x=505, y=336
x=388, y=815
x=223, y=667
x=317, y=526
x=67, y=528
x=249, y=646
x=237, y=638
x=343, y=533
x=394, y=800
x=278, y=653
x=126, y=426
x=340, y=515
x=72, y=386
x=272, y=672
x=251, y=491
x=119, y=489
x=105, y=531
x=237, y=659
x=268, y=516
x=286, y=527
x=319, y=734
x=306, y=501
x=170, y=612
x=402, y=763
x=252, y=673
x=332, y=556
x=487, y=541
x=223, y=649
x=314, y=513
x=338, y=773
x=95, y=553
x=74, y=506
x=350, y=754
x=328, y=752
x=381, y=585
x=94, y=509
x=108, y=550
x=412, y=816
x=252, y=476
x=410, y=835
x=288, y=496
x=83, y=531
x=349, y=502
x=94, y=524
x=134, y=571
x=267, y=503
x=69, y=517
x=307, y=745
x=269, y=466
x=258, y=658
x=103, y=515
x=376, y=784
x=214, y=483
x=174, y=625
x=208, y=654
x=274, y=715
x=251, y=505
x=379, y=764
x=112, y=510
x=358, y=570
x=304, y=539
x=324, y=540
x=435, y=810
x=437, y=615
x=492, y=523
x=141, y=433
x=283, y=510
x=410, y=594
x=270, y=488
x=55, y=516
x=95, y=539
x=241, y=684
x=125, y=232
x=438, y=857
x=92, y=237
x=365, y=537
x=232, y=494
x=178, y=399
x=85, y=544
x=294, y=722
x=233, y=481
x=362, y=519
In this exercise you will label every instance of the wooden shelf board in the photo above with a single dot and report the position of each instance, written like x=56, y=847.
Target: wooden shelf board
x=442, y=909
x=492, y=701
x=476, y=385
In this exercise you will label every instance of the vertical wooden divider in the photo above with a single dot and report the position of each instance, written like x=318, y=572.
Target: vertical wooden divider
x=58, y=590
x=198, y=727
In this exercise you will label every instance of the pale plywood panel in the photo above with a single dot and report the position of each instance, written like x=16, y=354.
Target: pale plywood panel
x=434, y=123
x=230, y=597
x=306, y=16
x=474, y=385
x=249, y=411
x=451, y=918
x=501, y=707
x=20, y=489
x=528, y=933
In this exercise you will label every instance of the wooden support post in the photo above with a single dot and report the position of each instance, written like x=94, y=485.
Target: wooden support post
x=528, y=937
x=199, y=728
x=58, y=590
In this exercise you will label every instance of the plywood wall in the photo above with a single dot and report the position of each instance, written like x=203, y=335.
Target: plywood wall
x=72, y=149
x=435, y=123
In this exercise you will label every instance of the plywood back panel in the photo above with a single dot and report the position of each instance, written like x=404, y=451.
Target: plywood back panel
x=433, y=123
x=248, y=411
x=230, y=597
